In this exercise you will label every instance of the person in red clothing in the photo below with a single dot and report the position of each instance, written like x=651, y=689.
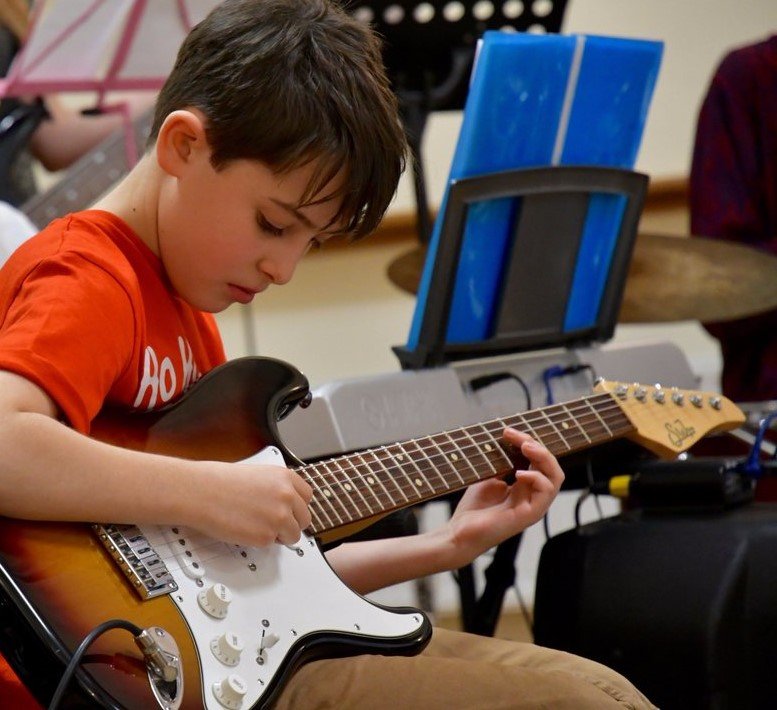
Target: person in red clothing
x=733, y=196
x=276, y=131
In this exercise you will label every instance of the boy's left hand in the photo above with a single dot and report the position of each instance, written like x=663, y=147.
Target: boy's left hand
x=493, y=510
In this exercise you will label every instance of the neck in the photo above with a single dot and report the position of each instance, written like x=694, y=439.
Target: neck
x=135, y=200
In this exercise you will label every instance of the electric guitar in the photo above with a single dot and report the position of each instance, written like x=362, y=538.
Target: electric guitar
x=236, y=621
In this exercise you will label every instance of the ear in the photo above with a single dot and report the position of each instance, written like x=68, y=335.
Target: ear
x=181, y=139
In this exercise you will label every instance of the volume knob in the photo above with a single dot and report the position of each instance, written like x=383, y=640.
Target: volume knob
x=227, y=648
x=215, y=600
x=230, y=691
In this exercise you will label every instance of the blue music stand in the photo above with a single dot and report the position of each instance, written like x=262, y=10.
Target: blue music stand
x=538, y=219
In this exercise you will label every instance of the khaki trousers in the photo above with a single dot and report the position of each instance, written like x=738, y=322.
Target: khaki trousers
x=459, y=670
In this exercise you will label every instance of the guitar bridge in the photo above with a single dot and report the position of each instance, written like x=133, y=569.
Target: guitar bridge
x=137, y=559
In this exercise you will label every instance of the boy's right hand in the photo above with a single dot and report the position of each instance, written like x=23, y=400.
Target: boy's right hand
x=249, y=504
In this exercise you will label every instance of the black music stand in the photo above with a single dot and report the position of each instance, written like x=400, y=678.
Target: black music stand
x=548, y=226
x=429, y=49
x=546, y=233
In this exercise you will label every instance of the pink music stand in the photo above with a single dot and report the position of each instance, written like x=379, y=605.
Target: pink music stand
x=102, y=46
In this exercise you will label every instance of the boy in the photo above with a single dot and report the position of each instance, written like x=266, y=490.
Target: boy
x=275, y=131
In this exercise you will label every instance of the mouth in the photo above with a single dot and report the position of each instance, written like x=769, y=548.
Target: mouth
x=242, y=295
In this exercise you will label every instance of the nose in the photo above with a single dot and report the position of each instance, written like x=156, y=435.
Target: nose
x=279, y=265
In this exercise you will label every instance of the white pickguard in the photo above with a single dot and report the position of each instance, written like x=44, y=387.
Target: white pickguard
x=279, y=594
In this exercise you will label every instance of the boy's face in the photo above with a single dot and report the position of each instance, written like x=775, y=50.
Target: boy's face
x=226, y=235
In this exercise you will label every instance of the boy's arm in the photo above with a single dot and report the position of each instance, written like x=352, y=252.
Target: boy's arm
x=489, y=512
x=48, y=471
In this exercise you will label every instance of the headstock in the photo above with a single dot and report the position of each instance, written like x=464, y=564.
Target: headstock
x=669, y=420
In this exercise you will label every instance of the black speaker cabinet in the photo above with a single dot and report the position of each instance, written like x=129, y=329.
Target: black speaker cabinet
x=685, y=606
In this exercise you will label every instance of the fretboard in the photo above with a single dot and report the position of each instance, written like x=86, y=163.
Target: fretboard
x=370, y=483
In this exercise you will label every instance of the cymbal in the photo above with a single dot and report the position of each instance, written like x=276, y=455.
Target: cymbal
x=696, y=278
x=670, y=279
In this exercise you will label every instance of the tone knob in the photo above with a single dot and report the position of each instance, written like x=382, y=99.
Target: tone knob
x=215, y=600
x=230, y=691
x=227, y=648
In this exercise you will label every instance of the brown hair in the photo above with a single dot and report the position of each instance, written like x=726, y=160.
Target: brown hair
x=290, y=81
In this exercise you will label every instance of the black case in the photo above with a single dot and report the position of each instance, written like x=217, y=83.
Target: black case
x=685, y=606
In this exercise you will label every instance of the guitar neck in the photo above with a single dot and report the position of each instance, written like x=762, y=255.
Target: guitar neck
x=362, y=485
x=88, y=178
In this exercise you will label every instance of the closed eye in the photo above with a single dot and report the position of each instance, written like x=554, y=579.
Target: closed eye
x=269, y=227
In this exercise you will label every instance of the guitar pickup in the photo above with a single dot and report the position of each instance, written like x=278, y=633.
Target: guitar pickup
x=184, y=552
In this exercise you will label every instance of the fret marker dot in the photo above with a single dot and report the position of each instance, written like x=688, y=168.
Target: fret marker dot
x=454, y=457
x=565, y=425
x=327, y=493
x=347, y=486
x=370, y=480
x=487, y=447
x=400, y=457
x=419, y=482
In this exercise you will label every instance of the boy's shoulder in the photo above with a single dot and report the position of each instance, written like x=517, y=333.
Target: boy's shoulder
x=90, y=237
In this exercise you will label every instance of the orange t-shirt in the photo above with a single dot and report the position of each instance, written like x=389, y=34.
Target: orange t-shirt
x=87, y=313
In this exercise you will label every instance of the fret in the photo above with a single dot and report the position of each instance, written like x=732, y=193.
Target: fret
x=613, y=413
x=316, y=521
x=317, y=502
x=354, y=483
x=558, y=441
x=596, y=414
x=373, y=476
x=461, y=455
x=494, y=450
x=527, y=428
x=327, y=494
x=389, y=476
x=419, y=486
x=397, y=473
x=590, y=423
x=422, y=480
x=574, y=419
x=346, y=488
x=368, y=482
x=479, y=452
x=443, y=459
x=334, y=494
x=555, y=428
x=429, y=464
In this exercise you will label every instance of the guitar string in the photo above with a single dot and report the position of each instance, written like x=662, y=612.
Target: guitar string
x=441, y=440
x=604, y=415
x=529, y=419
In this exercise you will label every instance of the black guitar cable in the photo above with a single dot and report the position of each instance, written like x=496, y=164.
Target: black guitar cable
x=145, y=641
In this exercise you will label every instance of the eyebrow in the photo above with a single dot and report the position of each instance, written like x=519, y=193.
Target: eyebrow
x=294, y=211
